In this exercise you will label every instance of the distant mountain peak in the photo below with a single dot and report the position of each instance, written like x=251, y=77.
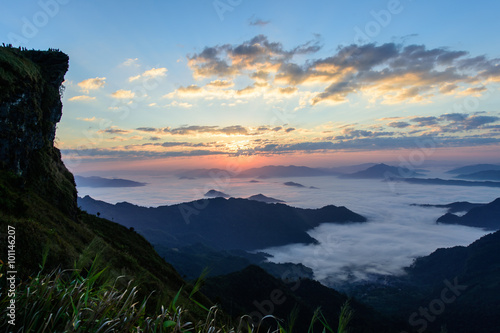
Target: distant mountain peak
x=216, y=194
x=262, y=198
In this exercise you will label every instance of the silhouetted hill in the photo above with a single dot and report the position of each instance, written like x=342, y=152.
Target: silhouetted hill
x=450, y=182
x=482, y=175
x=350, y=168
x=216, y=194
x=457, y=287
x=455, y=207
x=105, y=182
x=276, y=171
x=262, y=198
x=269, y=171
x=193, y=260
x=485, y=216
x=474, y=168
x=383, y=171
x=294, y=184
x=254, y=292
x=222, y=223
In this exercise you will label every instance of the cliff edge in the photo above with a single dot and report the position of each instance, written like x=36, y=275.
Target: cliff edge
x=30, y=108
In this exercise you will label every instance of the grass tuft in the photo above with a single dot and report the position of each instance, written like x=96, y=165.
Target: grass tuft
x=82, y=301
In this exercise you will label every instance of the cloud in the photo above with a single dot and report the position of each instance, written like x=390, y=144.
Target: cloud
x=350, y=133
x=288, y=90
x=192, y=89
x=123, y=94
x=425, y=121
x=390, y=73
x=180, y=105
x=92, y=84
x=254, y=55
x=93, y=119
x=120, y=154
x=188, y=130
x=220, y=84
x=474, y=122
x=473, y=91
x=114, y=130
x=81, y=98
x=258, y=22
x=150, y=73
x=398, y=124
x=133, y=78
x=148, y=129
x=131, y=62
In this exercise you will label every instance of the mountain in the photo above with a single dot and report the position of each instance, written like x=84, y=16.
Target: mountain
x=481, y=175
x=455, y=207
x=222, y=223
x=383, y=171
x=276, y=171
x=254, y=292
x=193, y=260
x=457, y=288
x=105, y=182
x=474, y=168
x=485, y=216
x=294, y=184
x=262, y=198
x=450, y=182
x=216, y=194
x=350, y=168
x=38, y=195
x=269, y=171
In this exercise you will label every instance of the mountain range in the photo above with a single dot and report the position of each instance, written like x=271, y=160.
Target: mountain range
x=481, y=175
x=483, y=216
x=222, y=223
x=95, y=181
x=383, y=171
x=468, y=169
x=457, y=288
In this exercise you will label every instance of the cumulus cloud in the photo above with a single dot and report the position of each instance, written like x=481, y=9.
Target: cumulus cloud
x=150, y=73
x=389, y=73
x=81, y=98
x=123, y=94
x=92, y=84
x=220, y=84
x=180, y=105
x=257, y=54
x=131, y=62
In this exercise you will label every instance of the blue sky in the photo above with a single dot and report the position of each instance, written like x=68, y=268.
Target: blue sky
x=268, y=81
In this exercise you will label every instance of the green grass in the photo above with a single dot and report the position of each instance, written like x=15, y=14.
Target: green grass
x=85, y=301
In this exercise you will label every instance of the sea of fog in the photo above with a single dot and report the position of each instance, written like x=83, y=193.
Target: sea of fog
x=396, y=232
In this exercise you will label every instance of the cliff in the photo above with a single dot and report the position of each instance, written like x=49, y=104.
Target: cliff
x=38, y=196
x=30, y=108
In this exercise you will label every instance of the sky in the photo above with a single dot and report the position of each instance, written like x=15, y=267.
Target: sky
x=169, y=84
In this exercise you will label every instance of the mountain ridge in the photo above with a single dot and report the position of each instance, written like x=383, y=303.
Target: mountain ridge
x=233, y=223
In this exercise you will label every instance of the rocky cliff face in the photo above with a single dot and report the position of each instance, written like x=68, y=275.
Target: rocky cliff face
x=30, y=108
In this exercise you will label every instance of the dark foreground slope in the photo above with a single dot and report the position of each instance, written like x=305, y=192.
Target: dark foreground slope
x=254, y=292
x=222, y=223
x=38, y=194
x=458, y=288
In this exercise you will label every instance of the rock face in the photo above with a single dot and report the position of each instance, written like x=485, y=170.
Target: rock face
x=30, y=108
